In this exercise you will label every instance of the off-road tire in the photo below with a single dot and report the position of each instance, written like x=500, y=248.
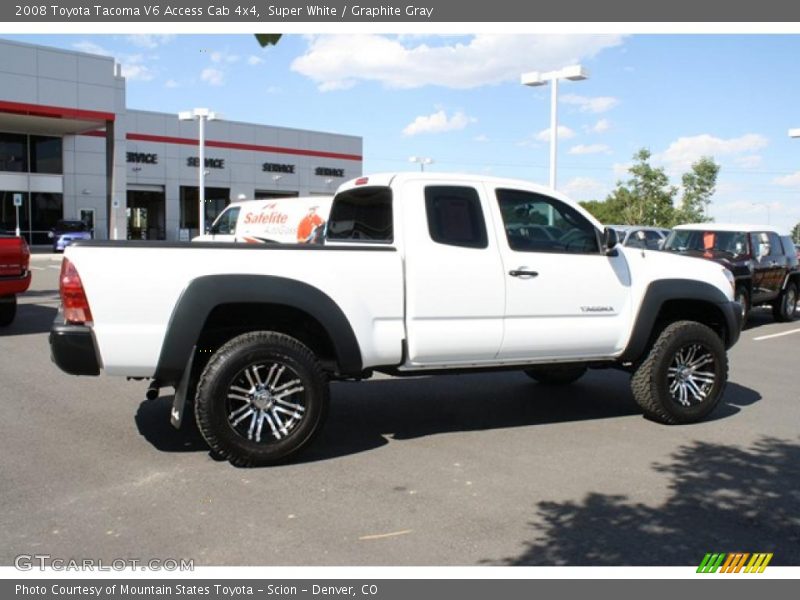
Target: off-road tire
x=556, y=374
x=227, y=366
x=742, y=296
x=8, y=310
x=650, y=383
x=784, y=308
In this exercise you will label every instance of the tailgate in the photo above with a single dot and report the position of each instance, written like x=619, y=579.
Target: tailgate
x=11, y=257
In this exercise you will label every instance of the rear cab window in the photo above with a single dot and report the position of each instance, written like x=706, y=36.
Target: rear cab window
x=362, y=214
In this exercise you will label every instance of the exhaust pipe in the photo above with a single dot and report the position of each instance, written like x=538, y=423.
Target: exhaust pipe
x=153, y=390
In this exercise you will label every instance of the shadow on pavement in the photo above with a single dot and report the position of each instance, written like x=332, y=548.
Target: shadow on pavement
x=363, y=415
x=30, y=319
x=722, y=498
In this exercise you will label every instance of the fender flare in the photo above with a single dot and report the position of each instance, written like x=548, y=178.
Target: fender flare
x=204, y=294
x=661, y=291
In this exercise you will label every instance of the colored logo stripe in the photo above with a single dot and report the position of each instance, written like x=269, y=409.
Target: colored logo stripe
x=734, y=562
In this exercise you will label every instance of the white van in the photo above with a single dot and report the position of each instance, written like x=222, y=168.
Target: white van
x=274, y=220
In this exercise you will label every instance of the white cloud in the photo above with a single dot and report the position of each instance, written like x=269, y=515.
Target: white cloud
x=590, y=149
x=481, y=138
x=621, y=169
x=597, y=104
x=133, y=69
x=601, y=126
x=212, y=76
x=149, y=41
x=792, y=180
x=686, y=150
x=437, y=122
x=585, y=188
x=338, y=62
x=90, y=48
x=564, y=133
x=221, y=57
x=172, y=84
x=253, y=60
x=133, y=65
x=751, y=161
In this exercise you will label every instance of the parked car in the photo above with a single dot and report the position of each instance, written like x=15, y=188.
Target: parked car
x=65, y=232
x=420, y=273
x=15, y=275
x=641, y=236
x=277, y=220
x=763, y=261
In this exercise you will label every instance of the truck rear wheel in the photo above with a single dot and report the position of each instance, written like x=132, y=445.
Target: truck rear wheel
x=683, y=376
x=8, y=310
x=785, y=306
x=261, y=399
x=556, y=374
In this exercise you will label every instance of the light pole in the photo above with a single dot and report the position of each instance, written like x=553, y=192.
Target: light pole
x=201, y=115
x=534, y=79
x=421, y=160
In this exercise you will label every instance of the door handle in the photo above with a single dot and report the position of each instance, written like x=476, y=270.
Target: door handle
x=524, y=273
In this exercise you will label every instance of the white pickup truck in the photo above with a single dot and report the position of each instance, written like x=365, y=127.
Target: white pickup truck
x=419, y=272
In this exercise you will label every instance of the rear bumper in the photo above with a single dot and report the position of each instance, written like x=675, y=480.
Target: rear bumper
x=72, y=349
x=10, y=286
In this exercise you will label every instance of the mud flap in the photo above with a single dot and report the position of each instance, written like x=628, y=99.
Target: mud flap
x=179, y=401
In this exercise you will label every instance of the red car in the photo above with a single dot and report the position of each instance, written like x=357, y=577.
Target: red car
x=15, y=276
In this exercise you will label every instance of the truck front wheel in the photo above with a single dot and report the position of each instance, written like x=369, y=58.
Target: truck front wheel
x=261, y=399
x=8, y=310
x=683, y=376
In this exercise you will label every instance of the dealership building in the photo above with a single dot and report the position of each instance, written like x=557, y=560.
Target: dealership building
x=71, y=149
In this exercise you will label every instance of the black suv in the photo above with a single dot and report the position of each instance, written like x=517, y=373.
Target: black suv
x=763, y=262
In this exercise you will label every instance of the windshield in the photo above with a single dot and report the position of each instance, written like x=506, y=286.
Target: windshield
x=733, y=243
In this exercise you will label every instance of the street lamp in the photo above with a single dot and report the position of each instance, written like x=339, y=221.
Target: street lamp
x=421, y=160
x=201, y=115
x=534, y=79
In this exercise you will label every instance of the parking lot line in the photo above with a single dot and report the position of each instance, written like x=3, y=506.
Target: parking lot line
x=774, y=335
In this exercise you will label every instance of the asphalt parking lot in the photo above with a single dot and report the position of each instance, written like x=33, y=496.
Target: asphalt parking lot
x=485, y=469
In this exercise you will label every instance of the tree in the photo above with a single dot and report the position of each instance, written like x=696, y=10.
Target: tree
x=698, y=186
x=796, y=234
x=268, y=39
x=648, y=198
x=605, y=212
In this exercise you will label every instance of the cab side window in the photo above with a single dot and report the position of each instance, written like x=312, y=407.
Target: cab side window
x=775, y=246
x=455, y=217
x=537, y=223
x=760, y=244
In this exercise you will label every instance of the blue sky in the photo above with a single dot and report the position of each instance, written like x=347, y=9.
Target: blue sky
x=457, y=99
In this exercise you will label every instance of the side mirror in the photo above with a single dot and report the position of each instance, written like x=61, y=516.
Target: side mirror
x=610, y=239
x=211, y=230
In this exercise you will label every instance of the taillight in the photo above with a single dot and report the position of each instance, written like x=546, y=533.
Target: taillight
x=26, y=256
x=73, y=296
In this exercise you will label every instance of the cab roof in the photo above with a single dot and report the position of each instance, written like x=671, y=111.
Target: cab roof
x=740, y=227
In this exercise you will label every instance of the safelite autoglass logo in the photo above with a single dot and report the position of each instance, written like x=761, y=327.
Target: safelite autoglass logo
x=734, y=562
